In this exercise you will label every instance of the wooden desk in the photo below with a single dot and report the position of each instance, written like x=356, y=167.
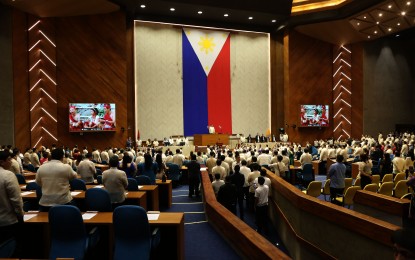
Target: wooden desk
x=103, y=167
x=132, y=197
x=165, y=192
x=151, y=190
x=210, y=139
x=29, y=175
x=171, y=224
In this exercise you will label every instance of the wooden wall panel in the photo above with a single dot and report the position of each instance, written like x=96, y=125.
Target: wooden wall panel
x=92, y=67
x=357, y=86
x=277, y=83
x=308, y=80
x=20, y=82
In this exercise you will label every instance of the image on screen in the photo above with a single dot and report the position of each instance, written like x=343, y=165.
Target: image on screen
x=90, y=117
x=314, y=115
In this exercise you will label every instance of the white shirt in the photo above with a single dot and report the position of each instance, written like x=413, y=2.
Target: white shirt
x=262, y=194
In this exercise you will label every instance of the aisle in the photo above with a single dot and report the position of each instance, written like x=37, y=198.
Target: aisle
x=201, y=240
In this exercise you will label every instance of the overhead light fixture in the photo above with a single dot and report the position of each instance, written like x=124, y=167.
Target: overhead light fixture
x=408, y=3
x=226, y=15
x=403, y=13
x=250, y=17
x=377, y=22
x=143, y=6
x=200, y=12
x=380, y=14
x=274, y=21
x=389, y=29
x=368, y=36
x=358, y=24
x=398, y=24
x=364, y=17
x=389, y=6
x=375, y=32
x=397, y=35
x=172, y=9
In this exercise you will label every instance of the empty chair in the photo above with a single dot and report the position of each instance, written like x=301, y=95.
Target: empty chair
x=132, y=185
x=407, y=196
x=399, y=177
x=67, y=233
x=7, y=248
x=347, y=199
x=132, y=236
x=98, y=199
x=143, y=180
x=313, y=189
x=357, y=182
x=386, y=188
x=376, y=179
x=326, y=189
x=400, y=189
x=77, y=184
x=99, y=179
x=387, y=177
x=373, y=187
x=20, y=179
x=348, y=182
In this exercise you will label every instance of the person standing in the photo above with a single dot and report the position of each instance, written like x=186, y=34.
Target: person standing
x=194, y=176
x=11, y=203
x=365, y=170
x=115, y=181
x=227, y=195
x=261, y=204
x=86, y=169
x=238, y=179
x=53, y=177
x=337, y=173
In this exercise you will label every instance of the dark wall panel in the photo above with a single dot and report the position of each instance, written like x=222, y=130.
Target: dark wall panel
x=92, y=68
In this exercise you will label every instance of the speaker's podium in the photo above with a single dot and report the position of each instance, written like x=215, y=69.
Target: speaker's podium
x=210, y=139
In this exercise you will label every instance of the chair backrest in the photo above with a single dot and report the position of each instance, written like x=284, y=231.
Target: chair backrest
x=400, y=189
x=77, y=184
x=387, y=177
x=373, y=187
x=132, y=236
x=31, y=168
x=349, y=195
x=348, y=182
x=326, y=189
x=174, y=171
x=20, y=179
x=67, y=232
x=7, y=248
x=132, y=184
x=314, y=188
x=386, y=188
x=357, y=182
x=143, y=180
x=98, y=172
x=376, y=178
x=98, y=199
x=34, y=186
x=99, y=179
x=400, y=176
x=307, y=172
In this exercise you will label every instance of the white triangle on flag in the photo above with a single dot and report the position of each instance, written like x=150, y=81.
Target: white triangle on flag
x=207, y=45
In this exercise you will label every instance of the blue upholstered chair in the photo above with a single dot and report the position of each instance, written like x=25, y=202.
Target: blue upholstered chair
x=98, y=199
x=20, y=179
x=67, y=233
x=77, y=184
x=132, y=184
x=99, y=179
x=7, y=248
x=131, y=233
x=143, y=180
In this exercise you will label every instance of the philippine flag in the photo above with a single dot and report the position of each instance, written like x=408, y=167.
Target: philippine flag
x=206, y=81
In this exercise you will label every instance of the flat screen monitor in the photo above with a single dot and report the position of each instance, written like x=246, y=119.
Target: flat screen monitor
x=314, y=115
x=92, y=117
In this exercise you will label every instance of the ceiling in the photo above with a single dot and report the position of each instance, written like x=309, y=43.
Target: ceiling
x=335, y=21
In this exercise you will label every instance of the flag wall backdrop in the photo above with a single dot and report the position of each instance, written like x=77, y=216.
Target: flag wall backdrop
x=189, y=78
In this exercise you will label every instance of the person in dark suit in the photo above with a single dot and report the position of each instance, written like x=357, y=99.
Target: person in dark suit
x=193, y=168
x=257, y=138
x=238, y=179
x=249, y=139
x=227, y=195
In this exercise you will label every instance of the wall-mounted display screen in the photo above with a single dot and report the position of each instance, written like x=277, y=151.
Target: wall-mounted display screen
x=314, y=115
x=91, y=117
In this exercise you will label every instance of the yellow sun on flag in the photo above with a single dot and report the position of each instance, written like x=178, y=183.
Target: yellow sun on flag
x=206, y=44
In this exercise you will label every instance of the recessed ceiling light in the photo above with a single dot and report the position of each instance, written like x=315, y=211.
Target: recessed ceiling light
x=250, y=17
x=408, y=3
x=377, y=22
x=274, y=21
x=398, y=24
x=389, y=6
x=143, y=6
x=358, y=24
x=389, y=29
x=403, y=13
x=364, y=17
x=397, y=35
x=200, y=12
x=368, y=36
x=226, y=15
x=375, y=32
x=380, y=14
x=172, y=9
